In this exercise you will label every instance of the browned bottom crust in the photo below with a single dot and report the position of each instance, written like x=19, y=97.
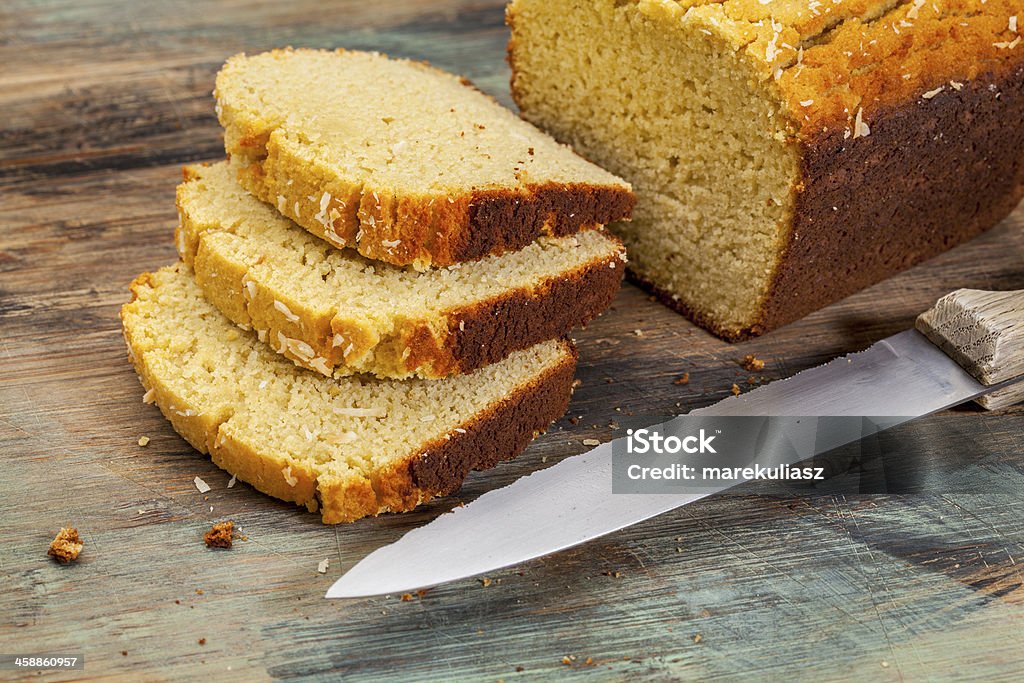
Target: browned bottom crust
x=441, y=467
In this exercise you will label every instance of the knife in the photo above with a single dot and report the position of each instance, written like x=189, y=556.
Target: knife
x=970, y=345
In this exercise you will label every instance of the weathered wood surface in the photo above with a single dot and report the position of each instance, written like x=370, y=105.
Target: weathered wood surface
x=102, y=102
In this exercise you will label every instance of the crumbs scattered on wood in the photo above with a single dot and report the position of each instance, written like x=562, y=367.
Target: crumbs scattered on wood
x=199, y=591
x=591, y=442
x=682, y=379
x=201, y=485
x=485, y=582
x=406, y=597
x=735, y=390
x=66, y=545
x=143, y=441
x=324, y=564
x=752, y=363
x=220, y=535
x=614, y=575
x=202, y=641
x=697, y=638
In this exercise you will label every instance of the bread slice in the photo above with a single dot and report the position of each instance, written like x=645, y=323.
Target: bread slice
x=404, y=163
x=349, y=447
x=784, y=154
x=336, y=312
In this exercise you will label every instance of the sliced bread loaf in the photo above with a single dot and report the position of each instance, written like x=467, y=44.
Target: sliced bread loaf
x=336, y=312
x=784, y=153
x=349, y=447
x=404, y=163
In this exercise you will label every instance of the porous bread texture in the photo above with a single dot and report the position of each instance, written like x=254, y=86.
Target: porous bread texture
x=402, y=162
x=784, y=153
x=349, y=447
x=337, y=312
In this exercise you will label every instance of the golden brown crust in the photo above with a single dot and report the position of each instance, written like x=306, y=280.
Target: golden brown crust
x=440, y=468
x=882, y=63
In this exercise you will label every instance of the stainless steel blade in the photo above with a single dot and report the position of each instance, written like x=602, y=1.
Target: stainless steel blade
x=572, y=502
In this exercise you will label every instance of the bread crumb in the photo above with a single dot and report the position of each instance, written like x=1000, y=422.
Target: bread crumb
x=567, y=661
x=324, y=564
x=485, y=582
x=614, y=575
x=697, y=638
x=638, y=333
x=591, y=442
x=752, y=363
x=232, y=481
x=682, y=379
x=66, y=545
x=220, y=535
x=406, y=597
x=201, y=485
x=143, y=441
x=202, y=641
x=735, y=390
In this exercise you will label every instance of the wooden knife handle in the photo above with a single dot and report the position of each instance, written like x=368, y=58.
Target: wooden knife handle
x=984, y=333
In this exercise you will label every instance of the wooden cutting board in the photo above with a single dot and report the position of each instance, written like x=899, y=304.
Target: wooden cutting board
x=102, y=103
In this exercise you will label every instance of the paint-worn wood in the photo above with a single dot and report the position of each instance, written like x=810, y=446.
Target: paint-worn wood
x=102, y=102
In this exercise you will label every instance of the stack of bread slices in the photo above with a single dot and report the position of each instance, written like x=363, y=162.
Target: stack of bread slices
x=376, y=288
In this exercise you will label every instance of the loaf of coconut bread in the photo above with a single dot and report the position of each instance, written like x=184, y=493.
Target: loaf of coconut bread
x=404, y=163
x=348, y=447
x=336, y=312
x=784, y=153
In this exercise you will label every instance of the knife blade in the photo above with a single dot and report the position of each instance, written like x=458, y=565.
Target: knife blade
x=905, y=375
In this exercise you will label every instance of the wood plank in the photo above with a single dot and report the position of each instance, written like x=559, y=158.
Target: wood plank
x=103, y=102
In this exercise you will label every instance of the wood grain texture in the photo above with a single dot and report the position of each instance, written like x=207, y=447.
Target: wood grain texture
x=102, y=104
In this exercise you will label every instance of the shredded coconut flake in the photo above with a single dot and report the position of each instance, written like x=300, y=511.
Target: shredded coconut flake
x=932, y=93
x=201, y=485
x=324, y=564
x=285, y=311
x=232, y=481
x=806, y=103
x=860, y=129
x=1013, y=23
x=956, y=85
